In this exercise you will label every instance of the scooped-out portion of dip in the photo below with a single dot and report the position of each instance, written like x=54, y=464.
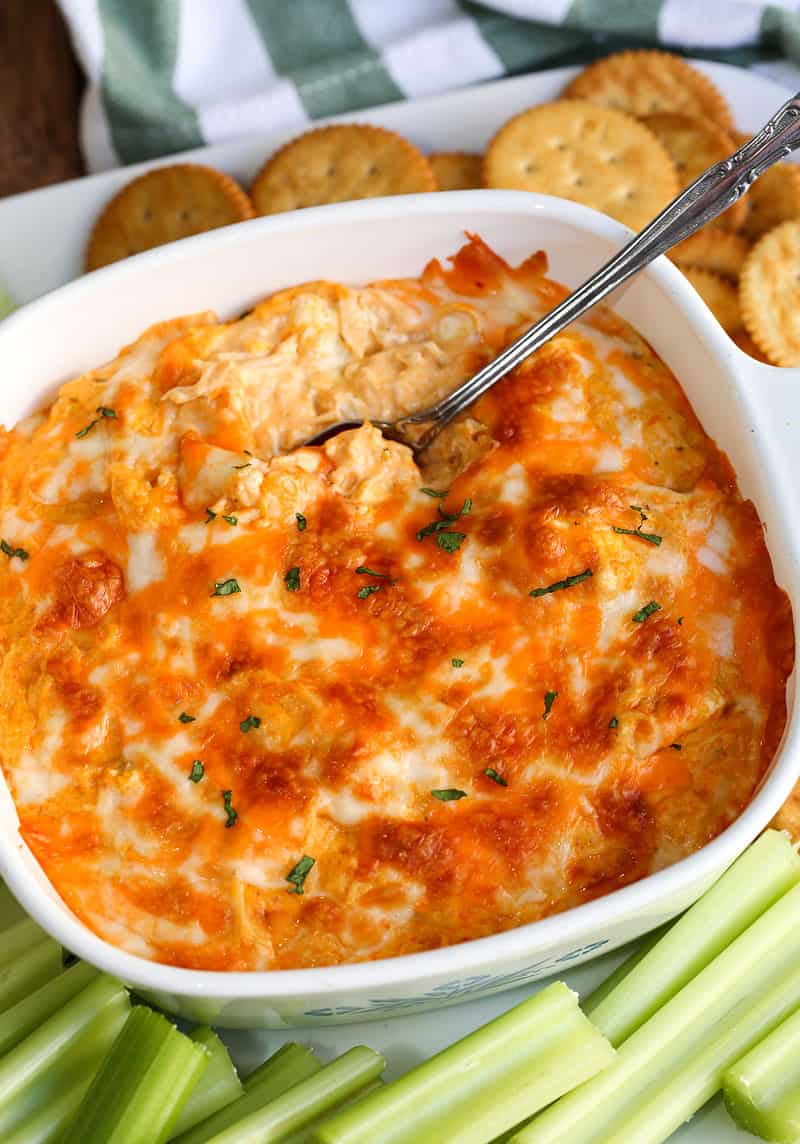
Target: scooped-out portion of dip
x=270, y=706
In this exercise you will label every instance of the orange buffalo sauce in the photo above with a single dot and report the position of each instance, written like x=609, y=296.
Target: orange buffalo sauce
x=268, y=706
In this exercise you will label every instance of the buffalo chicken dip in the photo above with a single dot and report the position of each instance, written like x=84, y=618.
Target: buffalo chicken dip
x=269, y=706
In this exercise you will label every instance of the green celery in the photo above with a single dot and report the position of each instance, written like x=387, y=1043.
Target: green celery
x=640, y=987
x=287, y=1057
x=304, y=1102
x=484, y=1084
x=18, y=979
x=48, y=1105
x=11, y=911
x=46, y=1125
x=287, y=1067
x=220, y=1087
x=306, y=1134
x=762, y=1090
x=675, y=1061
x=142, y=1085
x=608, y=984
x=18, y=940
x=56, y=1061
x=26, y=1015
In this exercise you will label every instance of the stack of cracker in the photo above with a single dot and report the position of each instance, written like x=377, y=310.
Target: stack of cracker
x=628, y=133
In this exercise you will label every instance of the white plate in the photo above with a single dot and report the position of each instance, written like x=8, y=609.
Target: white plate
x=43, y=233
x=42, y=237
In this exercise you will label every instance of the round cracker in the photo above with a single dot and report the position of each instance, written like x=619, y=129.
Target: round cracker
x=720, y=295
x=163, y=205
x=337, y=164
x=694, y=145
x=457, y=170
x=774, y=199
x=712, y=249
x=592, y=155
x=770, y=294
x=746, y=343
x=646, y=82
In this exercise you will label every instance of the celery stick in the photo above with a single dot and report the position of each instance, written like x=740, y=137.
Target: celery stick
x=608, y=984
x=26, y=1015
x=756, y=880
x=143, y=1083
x=11, y=911
x=18, y=979
x=675, y=1061
x=762, y=1090
x=484, y=1084
x=220, y=1085
x=31, y=1057
x=307, y=1134
x=305, y=1102
x=44, y=1109
x=286, y=1056
x=19, y=940
x=289, y=1066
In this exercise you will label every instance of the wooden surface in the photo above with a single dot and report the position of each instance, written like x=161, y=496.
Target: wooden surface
x=40, y=88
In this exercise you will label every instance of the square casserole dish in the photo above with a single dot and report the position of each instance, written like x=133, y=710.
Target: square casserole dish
x=751, y=410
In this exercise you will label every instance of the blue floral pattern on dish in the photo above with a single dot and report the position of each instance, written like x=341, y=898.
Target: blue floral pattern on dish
x=464, y=987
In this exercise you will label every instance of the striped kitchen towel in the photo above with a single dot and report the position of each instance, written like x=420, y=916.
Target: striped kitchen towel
x=166, y=75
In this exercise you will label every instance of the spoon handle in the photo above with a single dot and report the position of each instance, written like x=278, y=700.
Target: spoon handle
x=708, y=196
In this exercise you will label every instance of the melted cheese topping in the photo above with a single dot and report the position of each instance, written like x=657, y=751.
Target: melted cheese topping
x=186, y=557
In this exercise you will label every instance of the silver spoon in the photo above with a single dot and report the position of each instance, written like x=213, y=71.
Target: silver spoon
x=708, y=196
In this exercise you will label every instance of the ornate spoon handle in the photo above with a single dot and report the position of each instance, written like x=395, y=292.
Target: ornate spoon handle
x=703, y=200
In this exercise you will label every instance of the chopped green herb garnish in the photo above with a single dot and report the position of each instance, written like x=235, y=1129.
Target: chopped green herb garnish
x=446, y=538
x=299, y=872
x=449, y=794
x=250, y=722
x=613, y=722
x=368, y=590
x=210, y=515
x=650, y=537
x=363, y=593
x=676, y=746
x=292, y=579
x=197, y=771
x=643, y=613
x=450, y=541
x=227, y=795
x=492, y=774
x=7, y=550
x=549, y=699
x=457, y=662
x=302, y=523
x=559, y=585
x=680, y=621
x=452, y=517
x=246, y=465
x=226, y=587
x=104, y=411
x=434, y=526
x=247, y=452
x=184, y=718
x=435, y=493
x=232, y=520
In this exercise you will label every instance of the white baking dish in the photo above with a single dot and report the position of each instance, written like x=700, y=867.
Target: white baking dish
x=747, y=407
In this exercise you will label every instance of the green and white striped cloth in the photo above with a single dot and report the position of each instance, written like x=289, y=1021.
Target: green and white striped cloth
x=166, y=75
